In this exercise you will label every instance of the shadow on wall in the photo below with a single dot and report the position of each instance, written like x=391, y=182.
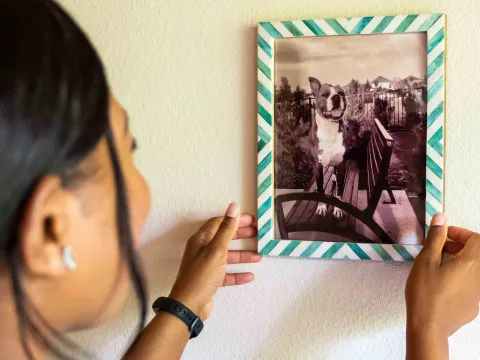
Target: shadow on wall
x=329, y=313
x=162, y=257
x=248, y=66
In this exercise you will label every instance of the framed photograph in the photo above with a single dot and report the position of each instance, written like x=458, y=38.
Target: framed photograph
x=351, y=132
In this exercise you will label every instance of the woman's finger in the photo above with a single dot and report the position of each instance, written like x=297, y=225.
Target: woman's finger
x=452, y=247
x=243, y=257
x=237, y=279
x=245, y=233
x=209, y=229
x=459, y=235
x=227, y=229
x=246, y=220
x=435, y=241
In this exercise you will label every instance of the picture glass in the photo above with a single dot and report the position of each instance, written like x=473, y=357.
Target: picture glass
x=350, y=125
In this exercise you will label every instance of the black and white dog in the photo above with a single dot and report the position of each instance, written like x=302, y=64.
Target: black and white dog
x=330, y=105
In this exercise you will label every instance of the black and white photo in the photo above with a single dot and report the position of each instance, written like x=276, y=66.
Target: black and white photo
x=350, y=130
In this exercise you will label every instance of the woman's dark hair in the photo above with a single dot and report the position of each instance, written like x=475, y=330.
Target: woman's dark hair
x=54, y=109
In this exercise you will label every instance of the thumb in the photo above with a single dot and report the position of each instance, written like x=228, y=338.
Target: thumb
x=228, y=228
x=436, y=238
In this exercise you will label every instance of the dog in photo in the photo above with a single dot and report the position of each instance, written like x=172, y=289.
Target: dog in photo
x=330, y=106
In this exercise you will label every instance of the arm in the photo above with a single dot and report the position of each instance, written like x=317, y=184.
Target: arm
x=164, y=338
x=425, y=344
x=202, y=273
x=442, y=294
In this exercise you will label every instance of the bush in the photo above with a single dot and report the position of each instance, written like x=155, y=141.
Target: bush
x=355, y=106
x=412, y=109
x=293, y=163
x=380, y=110
x=356, y=133
x=304, y=167
x=284, y=143
x=420, y=132
x=399, y=176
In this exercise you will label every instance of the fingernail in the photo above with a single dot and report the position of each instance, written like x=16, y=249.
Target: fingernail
x=249, y=277
x=233, y=210
x=256, y=258
x=438, y=220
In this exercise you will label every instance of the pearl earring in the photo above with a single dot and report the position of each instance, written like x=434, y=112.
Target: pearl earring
x=69, y=258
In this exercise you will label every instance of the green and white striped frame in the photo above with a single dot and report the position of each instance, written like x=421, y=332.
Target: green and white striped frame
x=434, y=26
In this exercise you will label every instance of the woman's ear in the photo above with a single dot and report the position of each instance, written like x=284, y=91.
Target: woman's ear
x=44, y=229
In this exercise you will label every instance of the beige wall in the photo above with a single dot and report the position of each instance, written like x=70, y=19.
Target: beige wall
x=186, y=71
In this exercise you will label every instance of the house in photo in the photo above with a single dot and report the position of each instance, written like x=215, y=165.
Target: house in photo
x=382, y=83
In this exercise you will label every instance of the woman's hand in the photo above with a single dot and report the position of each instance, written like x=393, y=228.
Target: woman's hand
x=204, y=264
x=442, y=295
x=202, y=273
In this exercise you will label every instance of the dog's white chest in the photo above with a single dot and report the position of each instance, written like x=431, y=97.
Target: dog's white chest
x=330, y=142
x=327, y=131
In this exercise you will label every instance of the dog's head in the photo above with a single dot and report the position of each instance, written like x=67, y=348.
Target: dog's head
x=330, y=101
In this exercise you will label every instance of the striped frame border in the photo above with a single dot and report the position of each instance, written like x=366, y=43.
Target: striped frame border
x=434, y=26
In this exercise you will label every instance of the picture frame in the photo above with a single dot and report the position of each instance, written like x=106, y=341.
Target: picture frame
x=432, y=26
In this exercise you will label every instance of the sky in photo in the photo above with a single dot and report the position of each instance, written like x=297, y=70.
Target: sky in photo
x=339, y=59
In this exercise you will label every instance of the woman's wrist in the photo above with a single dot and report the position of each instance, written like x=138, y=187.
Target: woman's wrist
x=165, y=337
x=425, y=323
x=426, y=341
x=193, y=305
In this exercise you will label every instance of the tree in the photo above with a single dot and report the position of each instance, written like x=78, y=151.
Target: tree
x=368, y=86
x=299, y=108
x=417, y=84
x=398, y=84
x=354, y=86
x=285, y=95
x=298, y=94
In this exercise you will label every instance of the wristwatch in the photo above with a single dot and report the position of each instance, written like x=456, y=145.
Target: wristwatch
x=171, y=306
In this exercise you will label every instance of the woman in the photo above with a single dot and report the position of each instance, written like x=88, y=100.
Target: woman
x=66, y=256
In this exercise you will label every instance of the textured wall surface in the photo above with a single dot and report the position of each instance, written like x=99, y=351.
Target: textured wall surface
x=186, y=72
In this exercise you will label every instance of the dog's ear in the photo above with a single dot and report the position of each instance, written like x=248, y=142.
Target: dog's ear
x=315, y=85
